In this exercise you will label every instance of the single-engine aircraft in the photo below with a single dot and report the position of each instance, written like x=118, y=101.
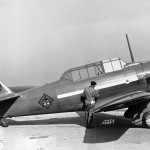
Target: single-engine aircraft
x=120, y=85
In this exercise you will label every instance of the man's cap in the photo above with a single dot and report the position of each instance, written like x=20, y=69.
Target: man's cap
x=93, y=83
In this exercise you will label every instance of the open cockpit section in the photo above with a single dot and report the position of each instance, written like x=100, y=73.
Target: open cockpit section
x=93, y=70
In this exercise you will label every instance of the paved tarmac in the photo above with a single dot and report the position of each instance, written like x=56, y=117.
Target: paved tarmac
x=66, y=131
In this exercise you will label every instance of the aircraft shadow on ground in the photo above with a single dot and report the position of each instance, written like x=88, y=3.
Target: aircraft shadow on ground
x=101, y=133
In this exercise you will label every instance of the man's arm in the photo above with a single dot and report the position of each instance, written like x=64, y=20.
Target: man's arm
x=83, y=97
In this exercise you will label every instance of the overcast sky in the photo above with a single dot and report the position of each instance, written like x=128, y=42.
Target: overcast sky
x=40, y=39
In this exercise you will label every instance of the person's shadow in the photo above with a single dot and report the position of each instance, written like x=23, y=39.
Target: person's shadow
x=107, y=128
x=101, y=133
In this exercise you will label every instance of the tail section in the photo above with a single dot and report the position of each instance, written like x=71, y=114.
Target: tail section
x=6, y=93
x=7, y=98
x=4, y=89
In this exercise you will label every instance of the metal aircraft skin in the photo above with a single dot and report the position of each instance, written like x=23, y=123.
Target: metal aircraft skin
x=128, y=87
x=20, y=88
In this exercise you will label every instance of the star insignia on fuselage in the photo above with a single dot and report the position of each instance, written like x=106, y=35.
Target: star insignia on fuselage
x=46, y=101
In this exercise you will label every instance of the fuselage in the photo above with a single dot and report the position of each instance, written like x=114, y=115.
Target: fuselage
x=65, y=94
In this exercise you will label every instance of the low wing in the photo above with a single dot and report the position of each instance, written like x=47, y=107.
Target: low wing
x=124, y=101
x=7, y=98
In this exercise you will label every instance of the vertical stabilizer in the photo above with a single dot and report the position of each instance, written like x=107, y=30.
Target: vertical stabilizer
x=4, y=89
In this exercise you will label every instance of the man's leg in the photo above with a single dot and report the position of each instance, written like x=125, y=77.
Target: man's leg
x=90, y=118
x=89, y=115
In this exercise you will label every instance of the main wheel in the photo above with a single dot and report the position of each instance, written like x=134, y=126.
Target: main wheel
x=146, y=120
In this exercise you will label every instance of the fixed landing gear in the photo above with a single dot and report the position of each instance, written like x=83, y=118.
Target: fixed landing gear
x=4, y=122
x=139, y=114
x=146, y=120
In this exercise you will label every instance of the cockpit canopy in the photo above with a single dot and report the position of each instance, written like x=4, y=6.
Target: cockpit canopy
x=93, y=69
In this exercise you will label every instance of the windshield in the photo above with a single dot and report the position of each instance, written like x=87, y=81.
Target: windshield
x=93, y=70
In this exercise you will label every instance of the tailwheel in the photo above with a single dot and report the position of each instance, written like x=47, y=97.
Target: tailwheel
x=146, y=120
x=4, y=122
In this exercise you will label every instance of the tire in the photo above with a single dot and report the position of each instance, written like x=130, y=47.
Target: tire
x=146, y=120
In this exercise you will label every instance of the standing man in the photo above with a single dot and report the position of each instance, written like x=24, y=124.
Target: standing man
x=91, y=96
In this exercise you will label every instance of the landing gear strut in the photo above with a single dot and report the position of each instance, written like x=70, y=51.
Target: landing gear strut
x=4, y=122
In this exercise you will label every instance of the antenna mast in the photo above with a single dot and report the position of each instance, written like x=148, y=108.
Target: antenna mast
x=131, y=54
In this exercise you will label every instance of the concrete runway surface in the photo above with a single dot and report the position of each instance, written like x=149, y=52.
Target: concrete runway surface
x=66, y=131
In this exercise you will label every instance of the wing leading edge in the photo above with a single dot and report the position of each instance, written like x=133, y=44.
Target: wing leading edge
x=124, y=101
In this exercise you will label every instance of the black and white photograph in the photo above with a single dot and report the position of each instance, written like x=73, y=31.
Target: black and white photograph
x=74, y=74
